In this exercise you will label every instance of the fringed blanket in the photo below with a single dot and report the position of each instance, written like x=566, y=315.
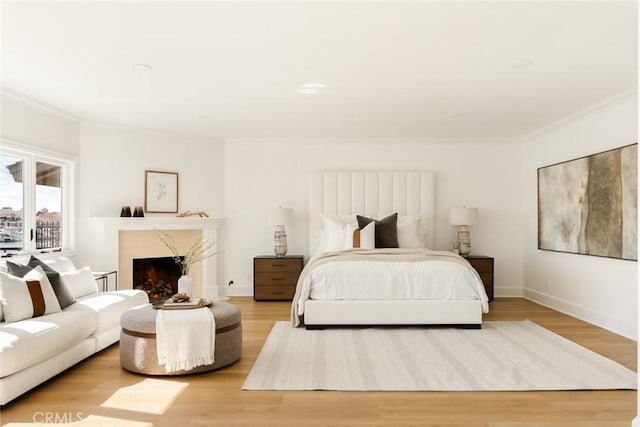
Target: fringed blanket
x=185, y=338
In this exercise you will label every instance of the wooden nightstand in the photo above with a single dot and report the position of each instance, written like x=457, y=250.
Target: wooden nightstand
x=275, y=278
x=484, y=267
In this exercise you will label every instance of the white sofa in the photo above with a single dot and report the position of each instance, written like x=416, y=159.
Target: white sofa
x=36, y=349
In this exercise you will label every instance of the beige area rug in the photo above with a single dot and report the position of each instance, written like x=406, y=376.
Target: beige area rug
x=500, y=356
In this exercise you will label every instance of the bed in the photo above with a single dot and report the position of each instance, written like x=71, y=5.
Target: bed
x=410, y=285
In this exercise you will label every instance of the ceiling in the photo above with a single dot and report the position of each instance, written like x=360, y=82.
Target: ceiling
x=391, y=69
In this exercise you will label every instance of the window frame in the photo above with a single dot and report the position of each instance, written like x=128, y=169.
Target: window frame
x=30, y=156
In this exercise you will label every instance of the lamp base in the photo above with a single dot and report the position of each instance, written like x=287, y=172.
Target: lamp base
x=280, y=241
x=464, y=239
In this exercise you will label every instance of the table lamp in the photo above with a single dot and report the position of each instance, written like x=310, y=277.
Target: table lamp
x=464, y=217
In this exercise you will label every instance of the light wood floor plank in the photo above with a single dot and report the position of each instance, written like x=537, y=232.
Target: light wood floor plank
x=215, y=398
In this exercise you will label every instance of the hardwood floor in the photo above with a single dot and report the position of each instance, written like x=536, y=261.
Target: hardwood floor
x=99, y=392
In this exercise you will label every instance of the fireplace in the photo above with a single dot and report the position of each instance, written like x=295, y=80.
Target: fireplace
x=158, y=277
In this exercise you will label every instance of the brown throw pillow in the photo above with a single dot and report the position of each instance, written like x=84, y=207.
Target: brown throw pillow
x=386, y=230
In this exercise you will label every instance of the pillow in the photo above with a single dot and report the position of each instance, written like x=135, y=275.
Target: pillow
x=27, y=297
x=61, y=265
x=360, y=238
x=412, y=231
x=386, y=230
x=63, y=295
x=80, y=282
x=334, y=231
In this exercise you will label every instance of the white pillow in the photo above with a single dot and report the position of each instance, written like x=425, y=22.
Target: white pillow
x=27, y=297
x=80, y=282
x=367, y=236
x=412, y=231
x=61, y=264
x=334, y=230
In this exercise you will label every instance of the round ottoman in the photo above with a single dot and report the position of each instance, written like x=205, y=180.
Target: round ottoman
x=138, y=340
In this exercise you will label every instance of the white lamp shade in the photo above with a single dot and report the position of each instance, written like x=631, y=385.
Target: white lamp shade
x=282, y=216
x=463, y=216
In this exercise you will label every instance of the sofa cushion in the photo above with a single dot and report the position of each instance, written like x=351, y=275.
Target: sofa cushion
x=107, y=307
x=30, y=341
x=30, y=296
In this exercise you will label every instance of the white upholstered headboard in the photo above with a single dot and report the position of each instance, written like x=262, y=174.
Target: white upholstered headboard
x=371, y=193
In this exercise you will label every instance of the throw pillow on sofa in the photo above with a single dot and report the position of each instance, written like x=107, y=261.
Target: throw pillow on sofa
x=80, y=282
x=63, y=295
x=27, y=297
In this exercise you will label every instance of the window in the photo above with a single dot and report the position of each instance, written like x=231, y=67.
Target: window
x=35, y=196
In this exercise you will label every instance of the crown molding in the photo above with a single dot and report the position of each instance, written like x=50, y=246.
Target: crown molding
x=625, y=95
x=36, y=104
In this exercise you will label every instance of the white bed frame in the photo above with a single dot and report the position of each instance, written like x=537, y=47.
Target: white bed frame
x=373, y=193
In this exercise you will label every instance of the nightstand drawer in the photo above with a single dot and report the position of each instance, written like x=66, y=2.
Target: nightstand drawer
x=482, y=265
x=274, y=292
x=277, y=279
x=273, y=265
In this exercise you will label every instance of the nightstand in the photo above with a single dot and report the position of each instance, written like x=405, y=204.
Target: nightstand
x=484, y=266
x=275, y=278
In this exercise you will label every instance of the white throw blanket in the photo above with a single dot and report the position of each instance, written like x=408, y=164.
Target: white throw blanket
x=185, y=338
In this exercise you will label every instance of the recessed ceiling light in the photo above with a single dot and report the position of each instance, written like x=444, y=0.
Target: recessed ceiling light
x=310, y=88
x=457, y=116
x=203, y=117
x=521, y=63
x=141, y=67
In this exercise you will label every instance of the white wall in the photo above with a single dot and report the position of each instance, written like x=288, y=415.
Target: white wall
x=599, y=290
x=111, y=170
x=39, y=126
x=262, y=175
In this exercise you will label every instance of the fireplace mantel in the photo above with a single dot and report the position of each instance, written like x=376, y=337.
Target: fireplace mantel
x=109, y=242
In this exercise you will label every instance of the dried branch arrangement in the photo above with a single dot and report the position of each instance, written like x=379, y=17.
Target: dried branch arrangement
x=199, y=250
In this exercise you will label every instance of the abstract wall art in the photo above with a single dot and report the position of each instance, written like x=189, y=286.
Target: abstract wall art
x=589, y=205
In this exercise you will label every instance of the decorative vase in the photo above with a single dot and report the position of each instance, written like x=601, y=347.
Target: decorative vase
x=280, y=241
x=138, y=212
x=185, y=285
x=125, y=212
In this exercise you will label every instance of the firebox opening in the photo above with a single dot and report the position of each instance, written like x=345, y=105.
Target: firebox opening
x=158, y=277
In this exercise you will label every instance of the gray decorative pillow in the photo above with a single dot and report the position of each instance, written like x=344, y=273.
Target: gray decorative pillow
x=386, y=230
x=63, y=295
x=65, y=298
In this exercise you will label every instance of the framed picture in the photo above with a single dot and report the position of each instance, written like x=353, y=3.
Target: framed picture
x=161, y=192
x=589, y=205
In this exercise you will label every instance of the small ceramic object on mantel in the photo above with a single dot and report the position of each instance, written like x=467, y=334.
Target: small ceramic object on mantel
x=125, y=212
x=138, y=212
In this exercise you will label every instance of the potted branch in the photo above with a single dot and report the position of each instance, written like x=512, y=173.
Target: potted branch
x=198, y=251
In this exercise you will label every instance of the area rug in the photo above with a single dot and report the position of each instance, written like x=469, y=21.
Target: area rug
x=505, y=356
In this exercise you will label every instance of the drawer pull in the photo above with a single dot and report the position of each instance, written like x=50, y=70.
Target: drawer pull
x=277, y=278
x=277, y=292
x=277, y=265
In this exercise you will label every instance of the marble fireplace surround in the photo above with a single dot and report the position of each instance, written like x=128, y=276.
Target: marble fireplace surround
x=124, y=239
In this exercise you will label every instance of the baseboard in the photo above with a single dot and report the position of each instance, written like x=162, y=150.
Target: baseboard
x=507, y=292
x=238, y=291
x=603, y=320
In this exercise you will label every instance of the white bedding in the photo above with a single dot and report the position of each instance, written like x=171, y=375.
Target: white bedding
x=372, y=280
x=443, y=276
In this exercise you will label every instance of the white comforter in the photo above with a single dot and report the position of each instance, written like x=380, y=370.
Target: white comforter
x=389, y=274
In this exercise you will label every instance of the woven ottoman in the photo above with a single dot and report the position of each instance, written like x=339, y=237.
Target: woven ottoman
x=138, y=340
